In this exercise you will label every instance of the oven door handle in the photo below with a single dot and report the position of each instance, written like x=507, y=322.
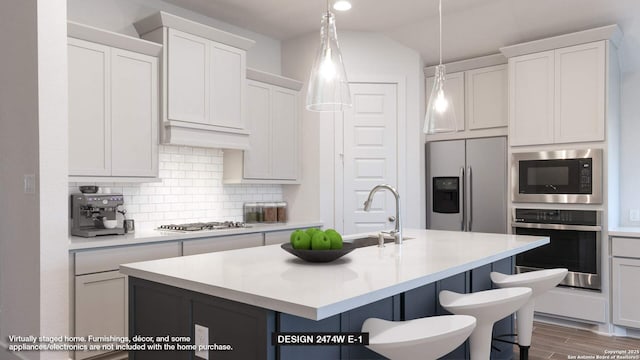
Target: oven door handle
x=557, y=226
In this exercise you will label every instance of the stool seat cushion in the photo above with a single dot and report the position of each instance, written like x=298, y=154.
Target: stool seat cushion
x=481, y=299
x=539, y=281
x=425, y=338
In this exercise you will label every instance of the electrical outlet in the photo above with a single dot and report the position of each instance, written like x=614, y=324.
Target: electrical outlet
x=202, y=340
x=634, y=214
x=29, y=184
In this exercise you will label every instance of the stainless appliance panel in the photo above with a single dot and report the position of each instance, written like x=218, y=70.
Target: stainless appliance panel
x=576, y=240
x=486, y=185
x=445, y=159
x=481, y=167
x=594, y=198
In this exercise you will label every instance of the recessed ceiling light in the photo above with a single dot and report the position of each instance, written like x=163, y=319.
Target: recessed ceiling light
x=342, y=5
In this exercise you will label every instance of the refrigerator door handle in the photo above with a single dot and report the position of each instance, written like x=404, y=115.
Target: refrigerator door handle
x=470, y=209
x=462, y=190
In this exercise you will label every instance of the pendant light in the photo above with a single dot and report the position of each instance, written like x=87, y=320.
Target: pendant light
x=441, y=116
x=328, y=85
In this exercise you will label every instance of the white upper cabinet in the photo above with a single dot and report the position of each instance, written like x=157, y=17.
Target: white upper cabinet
x=486, y=97
x=113, y=105
x=478, y=88
x=203, y=82
x=272, y=117
x=531, y=96
x=558, y=96
x=564, y=89
x=580, y=93
x=188, y=79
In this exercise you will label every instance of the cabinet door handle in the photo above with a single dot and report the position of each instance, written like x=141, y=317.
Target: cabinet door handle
x=464, y=216
x=470, y=214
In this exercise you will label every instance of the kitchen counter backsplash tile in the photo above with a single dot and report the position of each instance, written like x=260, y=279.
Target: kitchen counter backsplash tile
x=191, y=190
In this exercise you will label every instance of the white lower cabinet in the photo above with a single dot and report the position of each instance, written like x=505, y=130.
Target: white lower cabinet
x=277, y=237
x=221, y=243
x=626, y=272
x=100, y=307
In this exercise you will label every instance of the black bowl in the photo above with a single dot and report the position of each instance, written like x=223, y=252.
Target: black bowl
x=319, y=255
x=89, y=189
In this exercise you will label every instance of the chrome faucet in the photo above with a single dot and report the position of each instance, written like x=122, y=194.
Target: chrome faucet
x=397, y=232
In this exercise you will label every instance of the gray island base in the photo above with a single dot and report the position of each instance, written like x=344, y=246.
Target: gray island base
x=245, y=296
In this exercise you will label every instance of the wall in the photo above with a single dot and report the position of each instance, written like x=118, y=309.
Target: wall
x=119, y=15
x=190, y=190
x=33, y=113
x=366, y=55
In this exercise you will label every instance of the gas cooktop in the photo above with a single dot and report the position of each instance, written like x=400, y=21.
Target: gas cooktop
x=200, y=226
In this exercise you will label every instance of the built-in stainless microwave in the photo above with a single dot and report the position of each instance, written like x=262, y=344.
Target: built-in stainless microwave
x=562, y=176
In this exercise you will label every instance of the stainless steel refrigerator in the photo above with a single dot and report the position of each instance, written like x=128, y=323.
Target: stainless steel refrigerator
x=467, y=185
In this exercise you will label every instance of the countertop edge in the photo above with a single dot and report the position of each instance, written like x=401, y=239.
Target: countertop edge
x=624, y=231
x=80, y=243
x=328, y=310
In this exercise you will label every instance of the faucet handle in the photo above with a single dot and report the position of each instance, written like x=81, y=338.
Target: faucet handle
x=392, y=218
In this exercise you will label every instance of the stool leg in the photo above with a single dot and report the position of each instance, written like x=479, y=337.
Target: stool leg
x=480, y=342
x=524, y=352
x=524, y=321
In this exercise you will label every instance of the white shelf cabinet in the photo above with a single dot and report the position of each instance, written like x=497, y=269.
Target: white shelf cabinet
x=626, y=271
x=203, y=82
x=113, y=111
x=558, y=96
x=273, y=114
x=480, y=97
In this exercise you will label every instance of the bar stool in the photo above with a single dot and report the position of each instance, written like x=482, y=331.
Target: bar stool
x=540, y=282
x=487, y=307
x=424, y=338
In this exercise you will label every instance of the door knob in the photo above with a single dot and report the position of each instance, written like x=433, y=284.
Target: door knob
x=392, y=218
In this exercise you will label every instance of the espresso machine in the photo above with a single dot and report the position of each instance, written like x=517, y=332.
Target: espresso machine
x=95, y=214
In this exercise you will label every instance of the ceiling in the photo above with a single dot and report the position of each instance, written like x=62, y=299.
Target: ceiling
x=470, y=27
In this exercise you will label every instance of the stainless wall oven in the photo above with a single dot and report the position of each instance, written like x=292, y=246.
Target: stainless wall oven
x=562, y=176
x=575, y=240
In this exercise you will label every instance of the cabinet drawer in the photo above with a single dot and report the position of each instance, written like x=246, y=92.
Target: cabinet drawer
x=109, y=259
x=277, y=237
x=626, y=247
x=221, y=243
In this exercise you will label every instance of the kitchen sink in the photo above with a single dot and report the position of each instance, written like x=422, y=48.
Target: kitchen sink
x=372, y=240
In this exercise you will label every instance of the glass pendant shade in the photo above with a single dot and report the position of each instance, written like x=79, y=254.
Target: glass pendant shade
x=328, y=86
x=441, y=115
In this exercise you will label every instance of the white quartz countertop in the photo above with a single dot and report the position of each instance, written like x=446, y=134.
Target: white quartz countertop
x=271, y=278
x=151, y=236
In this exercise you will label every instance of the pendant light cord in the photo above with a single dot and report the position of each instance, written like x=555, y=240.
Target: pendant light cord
x=440, y=16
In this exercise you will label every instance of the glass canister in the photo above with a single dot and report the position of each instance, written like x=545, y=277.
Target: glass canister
x=251, y=211
x=270, y=212
x=282, y=211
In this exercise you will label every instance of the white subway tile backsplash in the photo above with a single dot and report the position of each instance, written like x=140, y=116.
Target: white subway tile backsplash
x=191, y=190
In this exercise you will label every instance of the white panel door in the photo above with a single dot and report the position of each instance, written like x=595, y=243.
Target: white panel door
x=454, y=86
x=89, y=108
x=580, y=93
x=486, y=97
x=188, y=77
x=531, y=97
x=370, y=156
x=284, y=131
x=227, y=86
x=134, y=114
x=257, y=163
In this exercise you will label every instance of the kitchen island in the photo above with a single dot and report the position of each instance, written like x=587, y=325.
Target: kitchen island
x=243, y=296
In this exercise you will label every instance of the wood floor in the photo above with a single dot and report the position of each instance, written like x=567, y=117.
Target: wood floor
x=559, y=342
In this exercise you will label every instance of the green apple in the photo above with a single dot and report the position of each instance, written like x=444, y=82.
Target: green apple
x=300, y=240
x=335, y=238
x=320, y=241
x=311, y=231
